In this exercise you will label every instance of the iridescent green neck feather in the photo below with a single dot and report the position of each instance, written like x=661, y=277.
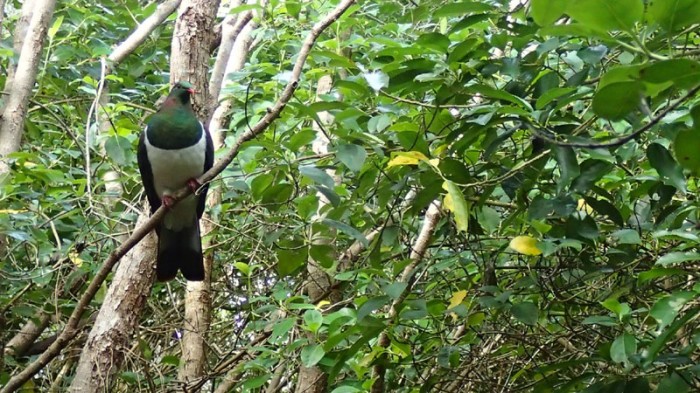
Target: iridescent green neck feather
x=175, y=126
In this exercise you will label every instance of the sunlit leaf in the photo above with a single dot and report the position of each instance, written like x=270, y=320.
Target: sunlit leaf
x=526, y=245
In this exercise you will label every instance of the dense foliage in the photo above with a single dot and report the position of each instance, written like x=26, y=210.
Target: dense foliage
x=566, y=256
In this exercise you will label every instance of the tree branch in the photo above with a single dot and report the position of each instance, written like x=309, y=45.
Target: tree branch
x=143, y=31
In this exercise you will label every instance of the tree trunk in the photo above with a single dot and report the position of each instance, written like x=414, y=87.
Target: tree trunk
x=194, y=32
x=313, y=379
x=118, y=318
x=15, y=109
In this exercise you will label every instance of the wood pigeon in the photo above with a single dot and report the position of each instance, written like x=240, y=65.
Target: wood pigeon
x=174, y=150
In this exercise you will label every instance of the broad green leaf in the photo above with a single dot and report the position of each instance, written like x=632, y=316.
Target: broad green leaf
x=457, y=205
x=255, y=382
x=668, y=169
x=676, y=257
x=434, y=41
x=461, y=8
x=347, y=389
x=683, y=72
x=395, y=290
x=649, y=275
x=313, y=319
x=660, y=341
x=546, y=12
x=526, y=312
x=607, y=15
x=685, y=148
x=627, y=236
x=616, y=100
x=371, y=305
x=311, y=355
x=289, y=261
x=676, y=383
x=568, y=166
x=591, y=171
x=318, y=175
x=353, y=156
x=620, y=309
x=242, y=267
x=674, y=15
x=281, y=328
x=622, y=348
x=667, y=308
x=323, y=254
x=347, y=229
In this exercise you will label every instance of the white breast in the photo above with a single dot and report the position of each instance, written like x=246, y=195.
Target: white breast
x=171, y=170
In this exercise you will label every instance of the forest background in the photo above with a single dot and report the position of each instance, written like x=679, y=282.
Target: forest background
x=453, y=196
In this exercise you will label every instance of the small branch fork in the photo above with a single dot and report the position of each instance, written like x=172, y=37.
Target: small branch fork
x=71, y=328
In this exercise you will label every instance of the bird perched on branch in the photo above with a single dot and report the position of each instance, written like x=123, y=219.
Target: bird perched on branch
x=174, y=150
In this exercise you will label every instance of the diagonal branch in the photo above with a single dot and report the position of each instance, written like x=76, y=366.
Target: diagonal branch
x=273, y=113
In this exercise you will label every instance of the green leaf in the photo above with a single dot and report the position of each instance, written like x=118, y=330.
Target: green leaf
x=674, y=15
x=459, y=207
x=668, y=169
x=546, y=12
x=605, y=15
x=371, y=305
x=318, y=175
x=667, y=308
x=591, y=171
x=346, y=389
x=649, y=275
x=627, y=236
x=289, y=261
x=394, y=290
x=461, y=8
x=347, y=229
x=622, y=348
x=353, y=156
x=677, y=257
x=434, y=41
x=526, y=312
x=256, y=382
x=683, y=72
x=676, y=383
x=661, y=339
x=568, y=166
x=323, y=254
x=313, y=319
x=281, y=327
x=616, y=100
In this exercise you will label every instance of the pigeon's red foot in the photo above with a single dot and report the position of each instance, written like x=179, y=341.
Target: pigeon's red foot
x=193, y=185
x=167, y=201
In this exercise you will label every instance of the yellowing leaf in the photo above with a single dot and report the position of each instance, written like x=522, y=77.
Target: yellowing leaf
x=457, y=299
x=525, y=245
x=583, y=206
x=447, y=202
x=11, y=211
x=406, y=158
x=75, y=258
x=434, y=162
x=455, y=202
x=322, y=303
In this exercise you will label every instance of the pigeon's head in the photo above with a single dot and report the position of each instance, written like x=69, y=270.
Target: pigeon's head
x=182, y=91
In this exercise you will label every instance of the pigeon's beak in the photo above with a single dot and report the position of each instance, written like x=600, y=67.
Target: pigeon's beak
x=192, y=91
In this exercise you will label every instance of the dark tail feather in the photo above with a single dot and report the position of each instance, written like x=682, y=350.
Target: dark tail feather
x=180, y=250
